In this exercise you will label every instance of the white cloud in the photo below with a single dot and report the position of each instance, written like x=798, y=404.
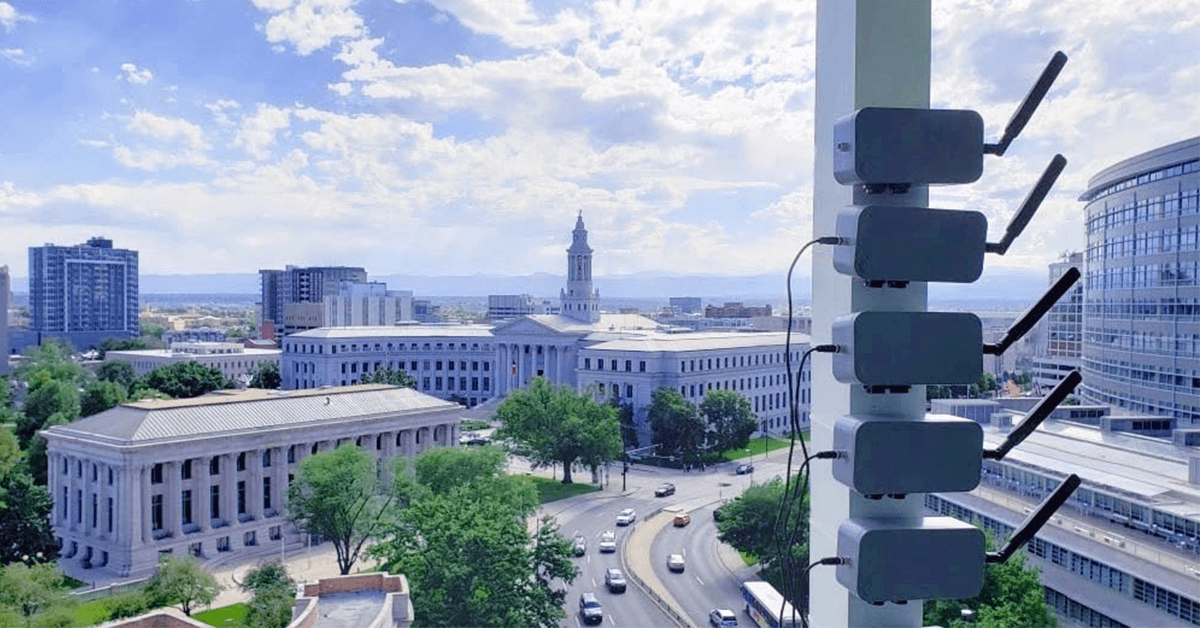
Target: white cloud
x=168, y=129
x=515, y=22
x=133, y=74
x=16, y=56
x=310, y=25
x=341, y=89
x=9, y=16
x=163, y=143
x=257, y=132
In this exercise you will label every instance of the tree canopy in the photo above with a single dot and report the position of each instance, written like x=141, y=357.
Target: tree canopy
x=556, y=424
x=31, y=590
x=184, y=380
x=1011, y=596
x=677, y=428
x=181, y=581
x=273, y=593
x=466, y=549
x=729, y=420
x=265, y=375
x=118, y=371
x=25, y=532
x=100, y=396
x=390, y=376
x=334, y=495
x=47, y=397
x=753, y=523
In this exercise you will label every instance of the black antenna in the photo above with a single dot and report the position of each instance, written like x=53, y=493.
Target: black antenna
x=1029, y=105
x=1036, y=416
x=1029, y=206
x=1036, y=520
x=1034, y=313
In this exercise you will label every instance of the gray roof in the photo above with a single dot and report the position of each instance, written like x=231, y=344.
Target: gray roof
x=246, y=411
x=609, y=322
x=398, y=331
x=699, y=341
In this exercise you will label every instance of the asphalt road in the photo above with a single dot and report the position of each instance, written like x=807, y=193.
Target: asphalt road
x=705, y=583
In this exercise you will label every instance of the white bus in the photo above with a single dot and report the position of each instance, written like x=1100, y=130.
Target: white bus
x=763, y=603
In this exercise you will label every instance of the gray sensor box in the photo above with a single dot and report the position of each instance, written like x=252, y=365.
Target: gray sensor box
x=901, y=559
x=882, y=145
x=937, y=453
x=907, y=348
x=896, y=243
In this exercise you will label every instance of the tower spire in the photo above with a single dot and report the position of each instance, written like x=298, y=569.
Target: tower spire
x=579, y=300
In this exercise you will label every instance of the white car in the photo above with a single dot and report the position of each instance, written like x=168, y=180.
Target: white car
x=675, y=562
x=608, y=542
x=626, y=517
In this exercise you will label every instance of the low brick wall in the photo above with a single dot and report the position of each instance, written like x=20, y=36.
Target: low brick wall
x=359, y=582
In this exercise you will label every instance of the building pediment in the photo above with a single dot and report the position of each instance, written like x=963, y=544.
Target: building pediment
x=543, y=325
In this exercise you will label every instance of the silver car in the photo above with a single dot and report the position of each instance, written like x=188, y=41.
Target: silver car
x=626, y=517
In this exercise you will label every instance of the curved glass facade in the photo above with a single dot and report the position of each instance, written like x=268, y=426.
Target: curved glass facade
x=1141, y=324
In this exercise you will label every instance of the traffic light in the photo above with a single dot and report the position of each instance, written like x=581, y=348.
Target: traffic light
x=888, y=245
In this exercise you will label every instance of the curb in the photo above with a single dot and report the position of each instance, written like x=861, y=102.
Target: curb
x=669, y=607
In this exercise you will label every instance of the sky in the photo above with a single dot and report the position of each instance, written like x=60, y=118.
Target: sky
x=456, y=137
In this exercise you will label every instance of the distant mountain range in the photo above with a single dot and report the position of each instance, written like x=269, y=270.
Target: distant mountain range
x=995, y=286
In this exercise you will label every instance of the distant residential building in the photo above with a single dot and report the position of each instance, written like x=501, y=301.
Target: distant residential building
x=1060, y=334
x=208, y=477
x=233, y=359
x=295, y=284
x=508, y=306
x=687, y=305
x=366, y=304
x=736, y=310
x=5, y=295
x=1141, y=309
x=83, y=293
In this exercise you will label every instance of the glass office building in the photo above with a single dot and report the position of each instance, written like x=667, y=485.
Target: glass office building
x=1141, y=336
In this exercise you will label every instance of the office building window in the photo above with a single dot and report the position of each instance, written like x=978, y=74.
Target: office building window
x=185, y=504
x=214, y=465
x=156, y=512
x=156, y=474
x=185, y=470
x=266, y=493
x=214, y=501
x=241, y=497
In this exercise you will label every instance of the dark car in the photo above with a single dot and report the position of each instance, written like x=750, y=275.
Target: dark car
x=590, y=611
x=664, y=489
x=743, y=469
x=615, y=580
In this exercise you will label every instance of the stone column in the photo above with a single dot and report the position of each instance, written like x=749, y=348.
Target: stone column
x=279, y=483
x=254, y=478
x=143, y=475
x=228, y=477
x=75, y=503
x=203, y=492
x=172, y=506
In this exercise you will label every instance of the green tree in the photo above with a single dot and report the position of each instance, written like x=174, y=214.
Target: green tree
x=265, y=375
x=100, y=396
x=389, y=376
x=472, y=561
x=47, y=397
x=184, y=380
x=181, y=581
x=1012, y=595
x=10, y=452
x=729, y=419
x=629, y=437
x=153, y=330
x=31, y=589
x=334, y=495
x=754, y=523
x=557, y=424
x=127, y=604
x=118, y=371
x=25, y=533
x=51, y=360
x=5, y=393
x=273, y=594
x=676, y=426
x=120, y=344
x=443, y=468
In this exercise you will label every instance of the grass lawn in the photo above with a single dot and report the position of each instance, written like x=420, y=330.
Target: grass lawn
x=553, y=490
x=472, y=424
x=91, y=613
x=757, y=447
x=749, y=560
x=233, y=616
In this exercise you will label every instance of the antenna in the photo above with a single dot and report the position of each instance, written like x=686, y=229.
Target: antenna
x=1029, y=206
x=1036, y=520
x=1034, y=313
x=1036, y=416
x=1029, y=105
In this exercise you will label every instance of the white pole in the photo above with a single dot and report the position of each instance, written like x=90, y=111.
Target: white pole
x=869, y=53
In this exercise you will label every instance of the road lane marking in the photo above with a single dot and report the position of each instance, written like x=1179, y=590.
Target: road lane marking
x=593, y=583
x=613, y=621
x=699, y=580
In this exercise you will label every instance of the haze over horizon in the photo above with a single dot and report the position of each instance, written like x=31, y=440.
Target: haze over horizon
x=453, y=137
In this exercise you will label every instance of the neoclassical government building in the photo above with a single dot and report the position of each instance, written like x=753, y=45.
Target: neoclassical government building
x=627, y=356
x=209, y=475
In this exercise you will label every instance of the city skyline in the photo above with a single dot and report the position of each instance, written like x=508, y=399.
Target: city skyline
x=425, y=137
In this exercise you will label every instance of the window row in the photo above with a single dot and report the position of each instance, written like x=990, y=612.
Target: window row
x=1143, y=276
x=1141, y=309
x=319, y=349
x=614, y=365
x=1146, y=243
x=1142, y=179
